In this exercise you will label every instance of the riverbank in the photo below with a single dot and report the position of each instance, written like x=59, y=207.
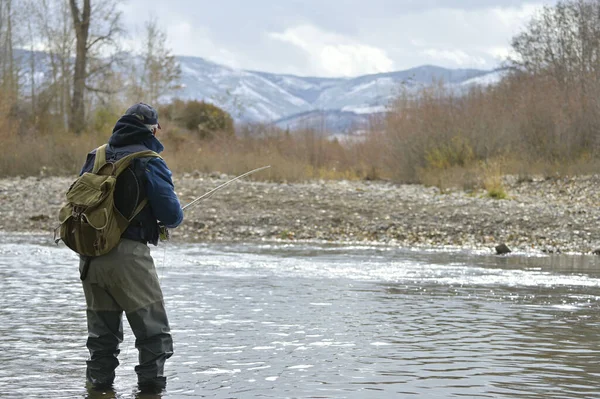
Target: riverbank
x=541, y=215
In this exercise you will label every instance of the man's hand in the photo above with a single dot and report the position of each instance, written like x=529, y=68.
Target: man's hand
x=163, y=233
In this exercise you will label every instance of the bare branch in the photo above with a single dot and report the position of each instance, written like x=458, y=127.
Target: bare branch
x=102, y=91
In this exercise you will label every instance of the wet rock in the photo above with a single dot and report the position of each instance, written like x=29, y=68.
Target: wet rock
x=37, y=218
x=199, y=225
x=551, y=250
x=502, y=249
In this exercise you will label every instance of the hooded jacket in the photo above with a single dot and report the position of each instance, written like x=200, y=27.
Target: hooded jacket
x=152, y=174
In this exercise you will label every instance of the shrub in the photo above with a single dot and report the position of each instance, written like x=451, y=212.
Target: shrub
x=492, y=180
x=202, y=118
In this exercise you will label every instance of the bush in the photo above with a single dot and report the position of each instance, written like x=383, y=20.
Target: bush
x=202, y=118
x=102, y=121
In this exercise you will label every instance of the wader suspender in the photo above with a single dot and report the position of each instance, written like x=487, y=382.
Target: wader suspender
x=86, y=267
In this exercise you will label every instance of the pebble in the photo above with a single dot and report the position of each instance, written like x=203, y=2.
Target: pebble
x=542, y=215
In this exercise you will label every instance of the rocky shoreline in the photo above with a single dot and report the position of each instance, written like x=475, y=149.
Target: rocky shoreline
x=541, y=215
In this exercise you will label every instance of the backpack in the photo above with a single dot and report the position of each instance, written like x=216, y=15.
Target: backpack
x=90, y=223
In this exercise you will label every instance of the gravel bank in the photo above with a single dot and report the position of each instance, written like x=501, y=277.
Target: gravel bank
x=549, y=216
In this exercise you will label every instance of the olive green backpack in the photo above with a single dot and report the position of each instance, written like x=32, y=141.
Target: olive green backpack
x=90, y=224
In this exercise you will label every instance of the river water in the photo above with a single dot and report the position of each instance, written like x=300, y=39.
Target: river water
x=317, y=321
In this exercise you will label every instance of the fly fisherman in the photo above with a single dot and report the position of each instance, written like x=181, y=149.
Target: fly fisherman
x=125, y=279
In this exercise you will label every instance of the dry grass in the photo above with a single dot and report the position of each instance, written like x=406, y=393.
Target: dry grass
x=531, y=123
x=493, y=184
x=30, y=149
x=57, y=154
x=297, y=157
x=523, y=126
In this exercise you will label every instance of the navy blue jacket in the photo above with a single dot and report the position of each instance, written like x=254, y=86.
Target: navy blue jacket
x=130, y=135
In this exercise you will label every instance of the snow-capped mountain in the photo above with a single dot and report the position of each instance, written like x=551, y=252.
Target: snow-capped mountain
x=334, y=104
x=277, y=98
x=330, y=121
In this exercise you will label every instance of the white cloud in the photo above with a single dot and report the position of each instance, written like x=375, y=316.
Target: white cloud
x=197, y=41
x=457, y=57
x=474, y=37
x=340, y=37
x=515, y=17
x=331, y=54
x=500, y=53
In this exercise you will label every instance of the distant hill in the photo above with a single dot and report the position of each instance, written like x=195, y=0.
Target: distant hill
x=334, y=121
x=299, y=102
x=294, y=101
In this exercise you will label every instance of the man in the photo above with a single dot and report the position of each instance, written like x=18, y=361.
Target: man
x=125, y=279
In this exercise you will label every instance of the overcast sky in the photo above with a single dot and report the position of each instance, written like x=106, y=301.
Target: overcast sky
x=338, y=37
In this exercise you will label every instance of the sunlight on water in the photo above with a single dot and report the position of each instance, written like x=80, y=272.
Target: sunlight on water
x=306, y=320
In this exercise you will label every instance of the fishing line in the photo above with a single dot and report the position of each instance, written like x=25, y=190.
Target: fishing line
x=164, y=233
x=211, y=192
x=163, y=266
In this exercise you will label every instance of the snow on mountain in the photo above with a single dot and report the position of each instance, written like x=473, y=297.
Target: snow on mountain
x=329, y=121
x=488, y=79
x=306, y=88
x=246, y=95
x=365, y=109
x=294, y=101
x=277, y=98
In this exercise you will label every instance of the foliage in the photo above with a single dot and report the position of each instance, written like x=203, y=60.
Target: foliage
x=542, y=117
x=456, y=152
x=204, y=119
x=497, y=192
x=103, y=120
x=492, y=180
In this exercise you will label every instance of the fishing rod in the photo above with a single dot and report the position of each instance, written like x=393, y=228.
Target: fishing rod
x=164, y=232
x=211, y=192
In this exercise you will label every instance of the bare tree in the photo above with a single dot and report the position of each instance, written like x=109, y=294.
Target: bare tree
x=563, y=41
x=31, y=38
x=81, y=23
x=561, y=48
x=54, y=31
x=160, y=71
x=97, y=28
x=8, y=69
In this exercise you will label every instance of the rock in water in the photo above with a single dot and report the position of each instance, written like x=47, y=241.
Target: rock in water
x=502, y=249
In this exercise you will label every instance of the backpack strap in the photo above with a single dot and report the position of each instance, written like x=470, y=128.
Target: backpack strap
x=139, y=208
x=100, y=158
x=123, y=163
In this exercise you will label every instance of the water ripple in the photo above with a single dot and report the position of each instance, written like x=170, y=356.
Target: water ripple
x=308, y=321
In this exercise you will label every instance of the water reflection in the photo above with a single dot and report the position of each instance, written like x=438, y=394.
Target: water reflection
x=524, y=341
x=310, y=321
x=111, y=393
x=92, y=393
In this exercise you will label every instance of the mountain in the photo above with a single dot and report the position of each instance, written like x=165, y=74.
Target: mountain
x=293, y=101
x=334, y=121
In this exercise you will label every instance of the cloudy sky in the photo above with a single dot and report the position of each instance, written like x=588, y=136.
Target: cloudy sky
x=338, y=37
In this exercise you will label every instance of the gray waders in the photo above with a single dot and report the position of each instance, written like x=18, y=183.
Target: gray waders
x=125, y=280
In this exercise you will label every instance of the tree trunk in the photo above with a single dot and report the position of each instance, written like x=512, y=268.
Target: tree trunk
x=81, y=22
x=32, y=69
x=8, y=71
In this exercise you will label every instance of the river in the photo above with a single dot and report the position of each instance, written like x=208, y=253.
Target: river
x=303, y=320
